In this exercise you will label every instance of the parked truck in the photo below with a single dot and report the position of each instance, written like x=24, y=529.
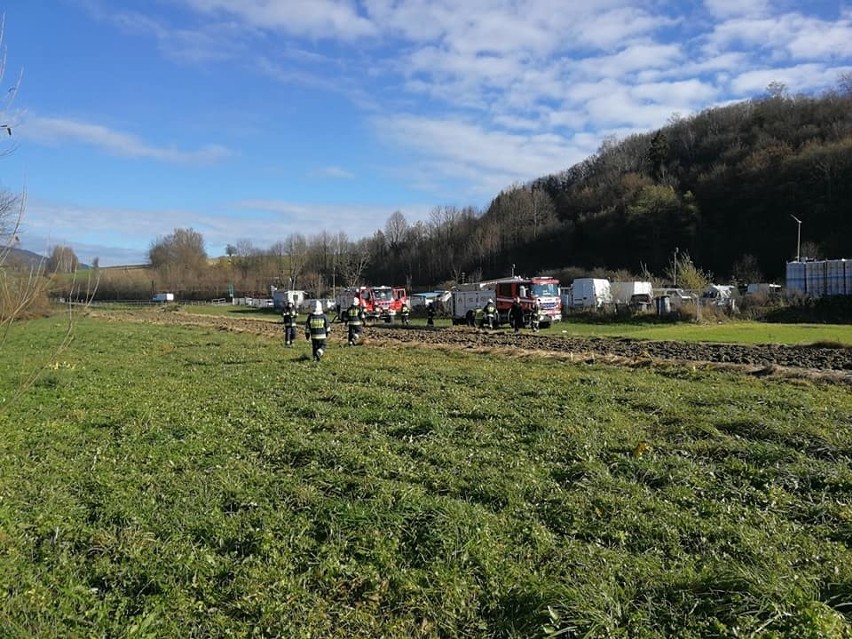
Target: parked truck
x=637, y=296
x=588, y=293
x=467, y=298
x=378, y=302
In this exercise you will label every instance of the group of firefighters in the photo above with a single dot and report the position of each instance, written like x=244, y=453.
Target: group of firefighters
x=486, y=317
x=317, y=326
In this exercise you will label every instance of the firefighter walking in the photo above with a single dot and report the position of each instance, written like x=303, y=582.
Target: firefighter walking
x=516, y=315
x=404, y=313
x=317, y=329
x=489, y=314
x=354, y=318
x=290, y=318
x=535, y=315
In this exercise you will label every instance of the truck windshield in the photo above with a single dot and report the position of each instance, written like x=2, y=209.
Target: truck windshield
x=382, y=293
x=545, y=290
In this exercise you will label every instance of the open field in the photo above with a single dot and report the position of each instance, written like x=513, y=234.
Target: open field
x=171, y=481
x=740, y=332
x=731, y=332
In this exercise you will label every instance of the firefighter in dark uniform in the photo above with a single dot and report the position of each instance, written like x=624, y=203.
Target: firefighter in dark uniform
x=430, y=314
x=404, y=313
x=516, y=315
x=354, y=318
x=317, y=329
x=290, y=318
x=489, y=313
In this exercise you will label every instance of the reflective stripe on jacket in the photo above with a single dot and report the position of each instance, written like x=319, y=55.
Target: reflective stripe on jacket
x=317, y=326
x=354, y=316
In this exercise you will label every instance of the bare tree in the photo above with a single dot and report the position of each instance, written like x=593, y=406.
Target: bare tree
x=182, y=249
x=62, y=260
x=353, y=265
x=297, y=249
x=396, y=229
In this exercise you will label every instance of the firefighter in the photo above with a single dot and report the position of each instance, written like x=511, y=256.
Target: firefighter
x=430, y=314
x=317, y=329
x=489, y=312
x=478, y=318
x=535, y=313
x=404, y=313
x=354, y=318
x=516, y=315
x=290, y=318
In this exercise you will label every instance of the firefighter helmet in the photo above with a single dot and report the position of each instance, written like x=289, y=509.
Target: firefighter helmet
x=355, y=301
x=318, y=308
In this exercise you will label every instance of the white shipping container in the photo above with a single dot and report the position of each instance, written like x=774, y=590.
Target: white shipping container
x=835, y=277
x=815, y=278
x=796, y=277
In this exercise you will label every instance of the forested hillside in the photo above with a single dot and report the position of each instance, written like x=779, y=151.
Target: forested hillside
x=721, y=185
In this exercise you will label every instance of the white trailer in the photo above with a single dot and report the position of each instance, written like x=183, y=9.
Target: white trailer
x=635, y=295
x=163, y=297
x=623, y=292
x=280, y=297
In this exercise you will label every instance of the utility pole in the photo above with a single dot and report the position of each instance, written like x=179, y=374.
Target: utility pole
x=674, y=266
x=798, y=239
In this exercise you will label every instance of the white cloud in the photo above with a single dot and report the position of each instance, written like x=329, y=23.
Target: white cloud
x=802, y=77
x=313, y=18
x=57, y=131
x=791, y=35
x=460, y=147
x=730, y=8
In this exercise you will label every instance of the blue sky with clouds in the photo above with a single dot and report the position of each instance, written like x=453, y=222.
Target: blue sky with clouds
x=255, y=119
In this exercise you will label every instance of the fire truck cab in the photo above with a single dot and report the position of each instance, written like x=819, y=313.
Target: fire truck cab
x=378, y=302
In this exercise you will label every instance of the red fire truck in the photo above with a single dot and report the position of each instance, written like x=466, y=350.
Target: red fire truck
x=378, y=302
x=467, y=298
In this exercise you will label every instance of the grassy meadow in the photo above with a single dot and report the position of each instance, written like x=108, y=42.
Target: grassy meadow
x=163, y=481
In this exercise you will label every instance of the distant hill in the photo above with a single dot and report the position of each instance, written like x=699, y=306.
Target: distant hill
x=20, y=257
x=28, y=259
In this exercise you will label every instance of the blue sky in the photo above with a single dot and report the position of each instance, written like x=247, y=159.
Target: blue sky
x=255, y=119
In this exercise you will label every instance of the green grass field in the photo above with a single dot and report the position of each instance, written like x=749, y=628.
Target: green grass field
x=161, y=481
